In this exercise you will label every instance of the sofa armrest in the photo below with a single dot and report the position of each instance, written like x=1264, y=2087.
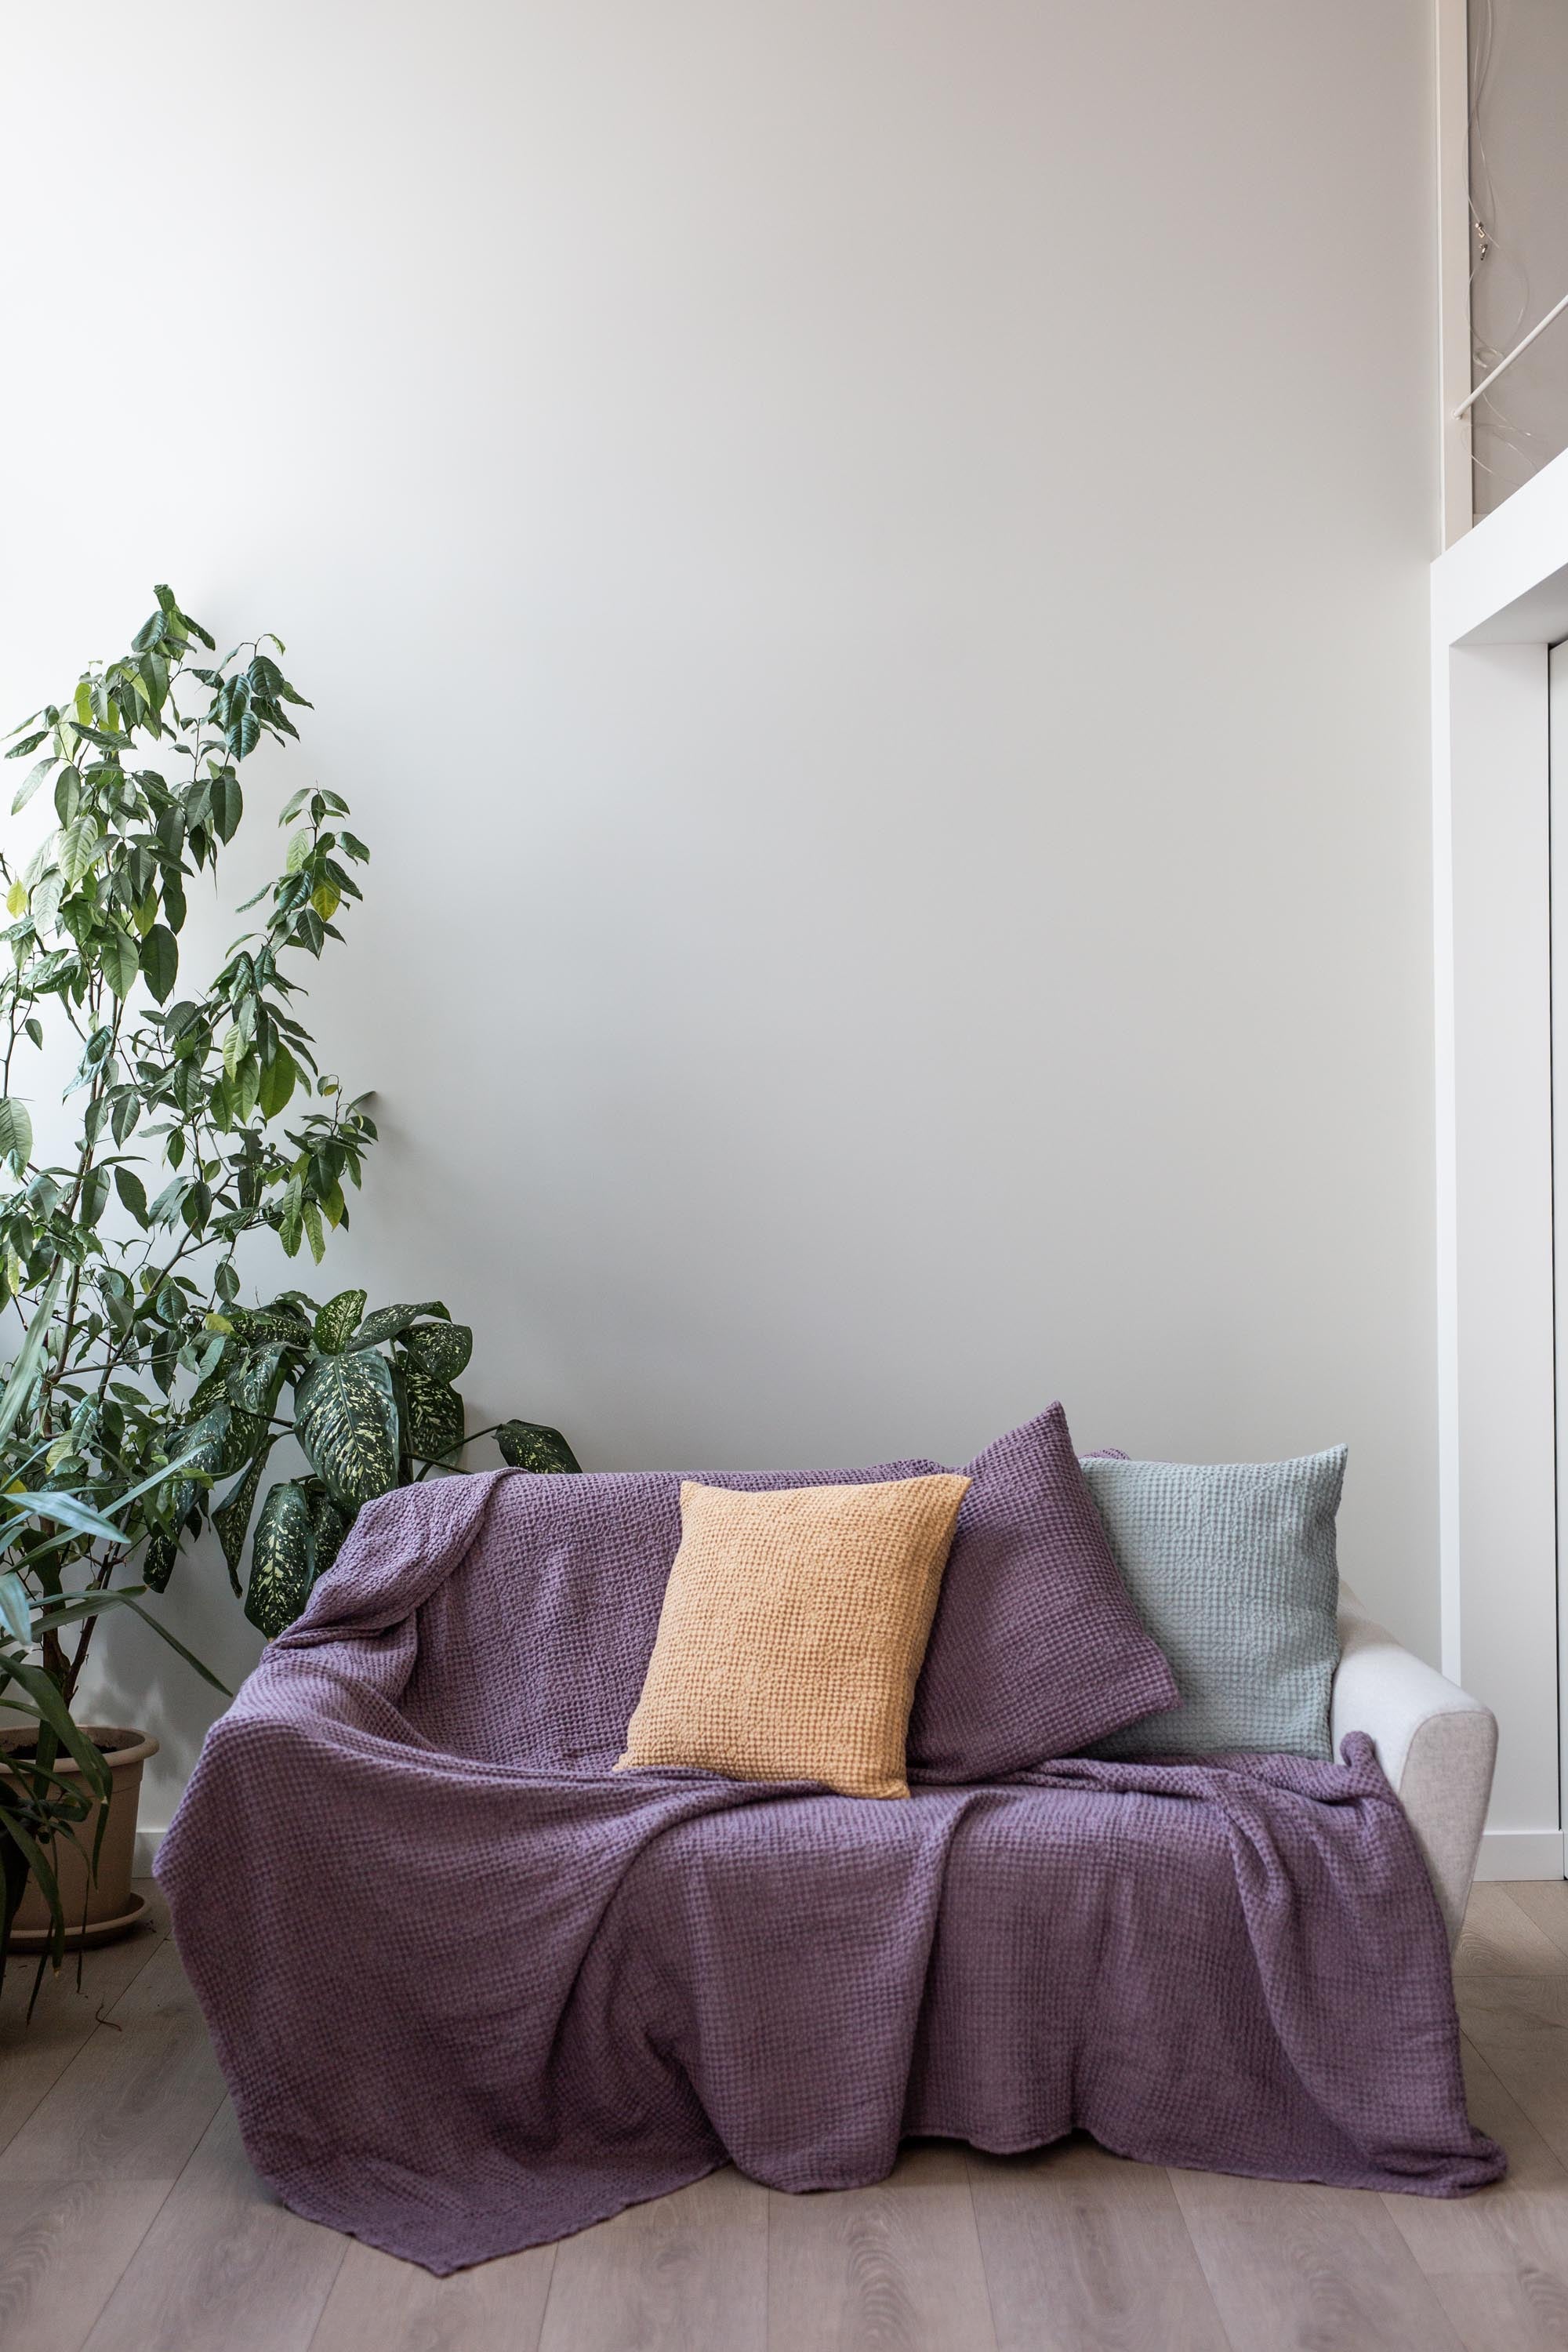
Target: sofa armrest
x=1436, y=1745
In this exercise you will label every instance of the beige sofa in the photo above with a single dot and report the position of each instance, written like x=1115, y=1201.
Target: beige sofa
x=1436, y=1745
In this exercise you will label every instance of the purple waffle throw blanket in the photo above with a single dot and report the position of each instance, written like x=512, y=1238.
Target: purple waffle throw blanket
x=471, y=1993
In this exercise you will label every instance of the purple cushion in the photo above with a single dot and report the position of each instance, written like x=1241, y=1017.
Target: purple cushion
x=1037, y=1649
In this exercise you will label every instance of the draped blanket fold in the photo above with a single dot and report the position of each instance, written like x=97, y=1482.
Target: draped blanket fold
x=471, y=1990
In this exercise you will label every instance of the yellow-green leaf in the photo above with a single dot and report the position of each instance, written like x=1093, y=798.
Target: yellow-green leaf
x=79, y=849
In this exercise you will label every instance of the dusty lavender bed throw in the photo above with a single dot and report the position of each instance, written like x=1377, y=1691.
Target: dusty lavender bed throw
x=470, y=1995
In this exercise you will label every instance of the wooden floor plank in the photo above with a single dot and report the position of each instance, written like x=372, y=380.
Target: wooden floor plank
x=898, y=2266
x=64, y=2245
x=1519, y=2025
x=34, y=2054
x=379, y=2304
x=1544, y=1901
x=224, y=2268
x=683, y=2274
x=136, y=2098
x=1497, y=2261
x=1082, y=2249
x=1292, y=2266
x=1501, y=1939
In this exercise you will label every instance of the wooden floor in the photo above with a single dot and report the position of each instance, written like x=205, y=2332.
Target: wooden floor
x=129, y=2219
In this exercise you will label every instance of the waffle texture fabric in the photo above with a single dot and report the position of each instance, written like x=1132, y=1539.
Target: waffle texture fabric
x=793, y=1628
x=469, y=1995
x=1234, y=1569
x=1037, y=1650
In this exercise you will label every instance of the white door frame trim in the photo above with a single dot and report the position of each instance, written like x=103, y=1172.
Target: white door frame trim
x=1499, y=599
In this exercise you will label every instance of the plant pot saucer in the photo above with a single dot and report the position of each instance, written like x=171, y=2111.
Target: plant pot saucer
x=97, y=1931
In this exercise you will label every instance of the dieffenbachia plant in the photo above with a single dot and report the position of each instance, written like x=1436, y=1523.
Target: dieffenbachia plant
x=203, y=1121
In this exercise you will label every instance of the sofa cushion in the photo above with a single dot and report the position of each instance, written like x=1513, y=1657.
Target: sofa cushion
x=792, y=1629
x=1234, y=1571
x=1037, y=1650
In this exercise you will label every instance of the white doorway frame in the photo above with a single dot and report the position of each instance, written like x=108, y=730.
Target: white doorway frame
x=1500, y=600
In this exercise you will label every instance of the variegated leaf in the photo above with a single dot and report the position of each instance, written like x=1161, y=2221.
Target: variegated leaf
x=533, y=1445
x=346, y=1419
x=441, y=1349
x=389, y=1322
x=157, y=1562
x=336, y=1323
x=232, y=1518
x=282, y=1560
x=435, y=1423
x=329, y=1526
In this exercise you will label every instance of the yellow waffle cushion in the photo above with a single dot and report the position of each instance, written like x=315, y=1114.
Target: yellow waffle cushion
x=794, y=1627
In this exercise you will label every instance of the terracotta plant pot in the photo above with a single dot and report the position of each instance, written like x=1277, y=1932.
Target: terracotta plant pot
x=109, y=1904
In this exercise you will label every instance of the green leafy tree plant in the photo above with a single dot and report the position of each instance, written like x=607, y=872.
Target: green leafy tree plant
x=142, y=1387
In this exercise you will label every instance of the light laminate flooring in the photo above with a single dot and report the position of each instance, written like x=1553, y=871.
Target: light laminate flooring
x=129, y=2221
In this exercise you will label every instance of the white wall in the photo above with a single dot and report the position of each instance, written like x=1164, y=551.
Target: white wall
x=863, y=565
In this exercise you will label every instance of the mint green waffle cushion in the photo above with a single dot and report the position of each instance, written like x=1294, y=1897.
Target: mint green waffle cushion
x=1233, y=1568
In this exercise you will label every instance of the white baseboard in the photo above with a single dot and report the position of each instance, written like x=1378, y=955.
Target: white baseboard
x=1520, y=1853
x=147, y=1844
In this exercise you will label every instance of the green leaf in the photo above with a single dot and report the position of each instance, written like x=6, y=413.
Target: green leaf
x=118, y=961
x=436, y=1423
x=79, y=849
x=345, y=1417
x=93, y=1198
x=46, y=894
x=29, y=784
x=24, y=1370
x=278, y=1080
x=282, y=1560
x=52, y=1710
x=159, y=960
x=533, y=1445
x=66, y=1510
x=28, y=743
x=227, y=806
x=128, y=1184
x=387, y=1322
x=15, y=1613
x=232, y=1518
x=336, y=1322
x=441, y=1349
x=16, y=1131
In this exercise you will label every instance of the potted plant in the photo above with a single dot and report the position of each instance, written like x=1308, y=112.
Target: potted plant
x=145, y=1399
